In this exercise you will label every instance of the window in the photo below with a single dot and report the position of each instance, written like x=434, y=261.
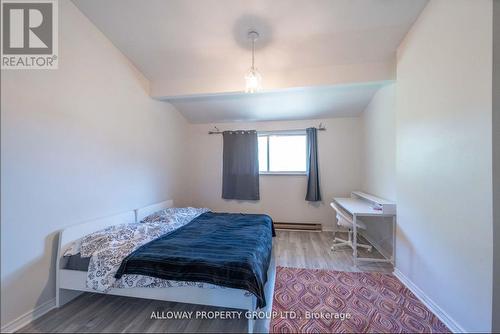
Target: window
x=282, y=153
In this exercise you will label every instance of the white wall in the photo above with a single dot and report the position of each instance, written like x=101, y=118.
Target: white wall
x=379, y=144
x=496, y=166
x=282, y=197
x=379, y=159
x=444, y=160
x=79, y=142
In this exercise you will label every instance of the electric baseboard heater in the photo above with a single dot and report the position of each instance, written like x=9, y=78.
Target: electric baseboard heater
x=297, y=226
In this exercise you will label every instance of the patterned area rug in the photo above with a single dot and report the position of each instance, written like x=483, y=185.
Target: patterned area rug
x=324, y=301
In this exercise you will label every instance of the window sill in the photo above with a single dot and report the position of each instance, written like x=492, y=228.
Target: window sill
x=284, y=173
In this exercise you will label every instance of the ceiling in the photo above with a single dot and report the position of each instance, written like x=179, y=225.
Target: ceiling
x=289, y=104
x=195, y=53
x=190, y=39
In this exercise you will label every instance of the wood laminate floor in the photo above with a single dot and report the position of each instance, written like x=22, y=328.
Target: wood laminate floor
x=101, y=313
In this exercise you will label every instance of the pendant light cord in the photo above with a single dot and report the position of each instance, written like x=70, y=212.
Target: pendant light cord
x=253, y=53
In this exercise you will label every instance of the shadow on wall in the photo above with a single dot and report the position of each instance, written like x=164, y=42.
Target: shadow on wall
x=404, y=249
x=20, y=280
x=315, y=204
x=379, y=233
x=241, y=201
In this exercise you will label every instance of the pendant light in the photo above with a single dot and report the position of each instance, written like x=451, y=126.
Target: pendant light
x=253, y=79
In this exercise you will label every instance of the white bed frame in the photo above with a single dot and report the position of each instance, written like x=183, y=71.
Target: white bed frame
x=71, y=283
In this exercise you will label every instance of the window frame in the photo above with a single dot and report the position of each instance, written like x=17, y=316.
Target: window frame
x=281, y=133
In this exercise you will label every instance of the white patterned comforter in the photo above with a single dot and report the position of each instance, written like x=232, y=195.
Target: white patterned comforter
x=107, y=249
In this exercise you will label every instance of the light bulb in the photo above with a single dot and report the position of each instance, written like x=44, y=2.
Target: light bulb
x=253, y=81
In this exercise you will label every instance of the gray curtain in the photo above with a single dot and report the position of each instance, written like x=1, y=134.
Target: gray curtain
x=313, y=192
x=240, y=169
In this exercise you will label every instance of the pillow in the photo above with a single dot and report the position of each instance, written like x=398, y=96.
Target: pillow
x=155, y=217
x=74, y=248
x=174, y=215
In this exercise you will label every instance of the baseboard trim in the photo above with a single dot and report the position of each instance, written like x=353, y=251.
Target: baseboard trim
x=431, y=305
x=29, y=316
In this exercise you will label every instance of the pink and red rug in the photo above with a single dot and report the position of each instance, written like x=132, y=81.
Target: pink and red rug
x=324, y=301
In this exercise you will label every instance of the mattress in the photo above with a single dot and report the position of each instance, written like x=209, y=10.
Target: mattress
x=77, y=262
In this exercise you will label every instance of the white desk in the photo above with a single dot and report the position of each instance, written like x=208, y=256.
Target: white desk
x=362, y=205
x=359, y=207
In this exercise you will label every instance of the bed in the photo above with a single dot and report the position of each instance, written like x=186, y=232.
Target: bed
x=71, y=276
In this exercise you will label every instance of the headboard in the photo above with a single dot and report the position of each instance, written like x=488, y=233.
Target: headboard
x=75, y=232
x=72, y=233
x=147, y=210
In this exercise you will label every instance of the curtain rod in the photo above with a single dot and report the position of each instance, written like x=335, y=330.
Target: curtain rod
x=320, y=127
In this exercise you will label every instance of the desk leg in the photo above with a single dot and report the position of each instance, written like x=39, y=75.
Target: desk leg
x=355, y=240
